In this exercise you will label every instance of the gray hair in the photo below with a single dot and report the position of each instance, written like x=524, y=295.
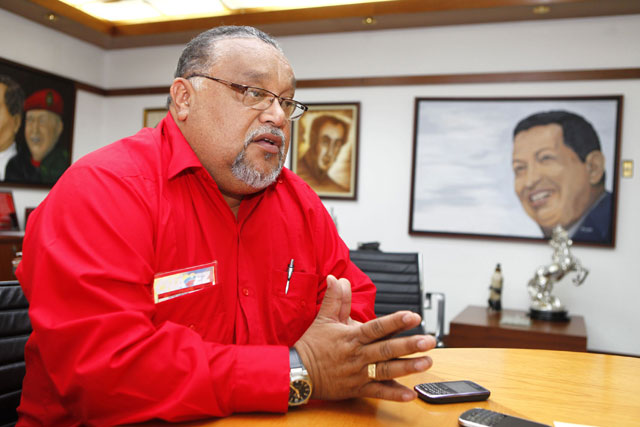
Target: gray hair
x=199, y=54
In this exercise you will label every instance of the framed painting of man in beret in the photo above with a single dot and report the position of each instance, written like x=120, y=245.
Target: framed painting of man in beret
x=36, y=126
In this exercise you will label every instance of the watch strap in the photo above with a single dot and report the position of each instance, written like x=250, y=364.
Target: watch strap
x=294, y=359
x=299, y=382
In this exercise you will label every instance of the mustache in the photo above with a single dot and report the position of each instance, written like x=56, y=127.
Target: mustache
x=246, y=172
x=265, y=129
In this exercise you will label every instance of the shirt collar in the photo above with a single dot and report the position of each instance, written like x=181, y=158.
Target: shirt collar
x=574, y=228
x=181, y=155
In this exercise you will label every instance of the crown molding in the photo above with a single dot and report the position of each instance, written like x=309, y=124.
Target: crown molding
x=387, y=15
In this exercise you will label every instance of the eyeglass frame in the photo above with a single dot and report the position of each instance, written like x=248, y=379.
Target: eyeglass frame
x=242, y=89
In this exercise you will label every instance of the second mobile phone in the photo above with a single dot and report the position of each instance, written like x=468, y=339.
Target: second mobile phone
x=451, y=392
x=479, y=417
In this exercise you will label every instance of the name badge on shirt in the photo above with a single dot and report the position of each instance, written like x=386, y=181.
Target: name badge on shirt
x=184, y=281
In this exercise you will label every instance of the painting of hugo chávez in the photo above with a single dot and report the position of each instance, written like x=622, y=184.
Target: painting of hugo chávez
x=36, y=123
x=514, y=168
x=559, y=175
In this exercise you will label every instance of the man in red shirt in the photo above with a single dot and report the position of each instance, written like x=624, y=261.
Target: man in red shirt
x=182, y=273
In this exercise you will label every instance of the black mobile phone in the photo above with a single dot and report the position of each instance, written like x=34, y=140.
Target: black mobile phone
x=478, y=417
x=451, y=392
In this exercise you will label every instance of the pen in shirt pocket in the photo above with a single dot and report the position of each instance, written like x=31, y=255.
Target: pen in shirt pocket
x=289, y=273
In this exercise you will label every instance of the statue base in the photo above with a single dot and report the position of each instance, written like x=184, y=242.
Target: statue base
x=554, y=316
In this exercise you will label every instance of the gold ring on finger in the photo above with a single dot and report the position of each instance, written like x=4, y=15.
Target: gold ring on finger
x=371, y=370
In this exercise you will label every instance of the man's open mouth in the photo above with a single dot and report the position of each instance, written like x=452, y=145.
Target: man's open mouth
x=539, y=197
x=268, y=142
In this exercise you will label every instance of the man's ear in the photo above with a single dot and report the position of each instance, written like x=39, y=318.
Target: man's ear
x=181, y=92
x=595, y=166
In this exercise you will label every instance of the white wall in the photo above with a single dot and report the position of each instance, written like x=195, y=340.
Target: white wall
x=459, y=267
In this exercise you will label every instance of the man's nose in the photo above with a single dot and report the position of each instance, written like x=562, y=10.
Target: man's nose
x=274, y=114
x=532, y=176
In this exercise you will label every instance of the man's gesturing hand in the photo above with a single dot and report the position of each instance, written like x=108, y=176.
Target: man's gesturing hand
x=336, y=350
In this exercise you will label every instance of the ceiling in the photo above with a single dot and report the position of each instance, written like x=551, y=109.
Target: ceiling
x=145, y=11
x=377, y=15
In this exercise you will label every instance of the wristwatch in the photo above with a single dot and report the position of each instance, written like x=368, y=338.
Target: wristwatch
x=299, y=380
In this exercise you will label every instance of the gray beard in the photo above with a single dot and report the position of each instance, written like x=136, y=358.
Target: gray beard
x=245, y=172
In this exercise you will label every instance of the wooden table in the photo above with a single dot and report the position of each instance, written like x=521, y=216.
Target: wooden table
x=542, y=385
x=481, y=327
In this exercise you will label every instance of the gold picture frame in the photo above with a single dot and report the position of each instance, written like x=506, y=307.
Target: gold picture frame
x=324, y=149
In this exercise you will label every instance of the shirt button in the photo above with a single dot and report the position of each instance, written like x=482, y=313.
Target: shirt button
x=245, y=291
x=303, y=304
x=192, y=326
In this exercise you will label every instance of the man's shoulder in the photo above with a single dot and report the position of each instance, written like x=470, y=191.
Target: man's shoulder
x=601, y=211
x=596, y=225
x=136, y=155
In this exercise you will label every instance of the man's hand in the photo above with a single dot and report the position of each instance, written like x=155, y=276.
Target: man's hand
x=336, y=350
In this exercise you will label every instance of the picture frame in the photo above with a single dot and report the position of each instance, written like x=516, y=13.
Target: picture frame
x=324, y=149
x=152, y=116
x=39, y=148
x=472, y=179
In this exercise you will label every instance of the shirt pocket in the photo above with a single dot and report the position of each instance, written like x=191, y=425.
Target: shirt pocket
x=292, y=312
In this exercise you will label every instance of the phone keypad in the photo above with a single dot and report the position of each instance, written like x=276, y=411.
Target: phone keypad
x=483, y=417
x=435, y=389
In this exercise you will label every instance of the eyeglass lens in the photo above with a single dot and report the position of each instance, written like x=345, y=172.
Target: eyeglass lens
x=261, y=99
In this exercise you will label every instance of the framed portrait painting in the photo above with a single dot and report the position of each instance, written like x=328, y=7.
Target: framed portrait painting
x=35, y=146
x=514, y=168
x=324, y=149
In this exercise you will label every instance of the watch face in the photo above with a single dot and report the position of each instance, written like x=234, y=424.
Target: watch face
x=299, y=392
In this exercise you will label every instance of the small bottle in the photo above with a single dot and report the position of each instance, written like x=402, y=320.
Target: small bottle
x=495, y=290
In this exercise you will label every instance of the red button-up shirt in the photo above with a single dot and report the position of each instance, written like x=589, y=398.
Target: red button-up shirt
x=102, y=352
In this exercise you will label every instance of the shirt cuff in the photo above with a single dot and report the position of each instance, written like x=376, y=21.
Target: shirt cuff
x=261, y=379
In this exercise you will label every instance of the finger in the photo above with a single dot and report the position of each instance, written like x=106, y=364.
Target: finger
x=388, y=390
x=332, y=301
x=388, y=325
x=345, y=308
x=394, y=348
x=400, y=367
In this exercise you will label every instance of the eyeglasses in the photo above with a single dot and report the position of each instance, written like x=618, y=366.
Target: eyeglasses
x=261, y=99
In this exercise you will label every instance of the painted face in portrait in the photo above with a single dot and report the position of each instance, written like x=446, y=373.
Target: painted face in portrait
x=42, y=130
x=242, y=148
x=331, y=137
x=9, y=124
x=554, y=186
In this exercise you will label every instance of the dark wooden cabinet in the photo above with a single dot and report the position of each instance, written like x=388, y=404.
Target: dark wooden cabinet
x=10, y=244
x=481, y=327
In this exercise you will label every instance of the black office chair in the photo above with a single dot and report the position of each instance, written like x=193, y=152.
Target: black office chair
x=15, y=328
x=398, y=280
